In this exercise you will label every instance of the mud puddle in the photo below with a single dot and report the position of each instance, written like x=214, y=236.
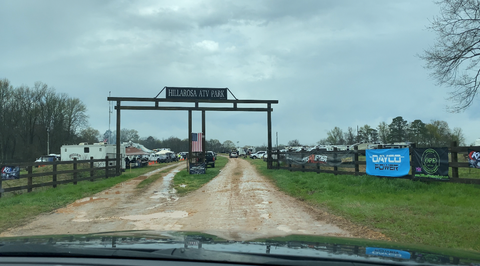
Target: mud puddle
x=166, y=191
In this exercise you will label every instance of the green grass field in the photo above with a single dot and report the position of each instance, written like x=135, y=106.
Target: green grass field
x=19, y=209
x=437, y=214
x=194, y=182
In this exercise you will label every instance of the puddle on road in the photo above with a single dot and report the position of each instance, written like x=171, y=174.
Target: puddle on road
x=284, y=228
x=85, y=201
x=165, y=191
x=166, y=214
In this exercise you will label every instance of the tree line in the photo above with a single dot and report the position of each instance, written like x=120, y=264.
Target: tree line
x=181, y=145
x=173, y=143
x=31, y=116
x=434, y=134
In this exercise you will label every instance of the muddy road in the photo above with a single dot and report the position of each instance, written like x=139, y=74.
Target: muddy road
x=239, y=204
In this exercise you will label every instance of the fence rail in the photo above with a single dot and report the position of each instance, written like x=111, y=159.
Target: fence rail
x=95, y=169
x=454, y=164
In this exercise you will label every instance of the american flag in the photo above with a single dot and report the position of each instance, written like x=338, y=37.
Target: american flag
x=196, y=142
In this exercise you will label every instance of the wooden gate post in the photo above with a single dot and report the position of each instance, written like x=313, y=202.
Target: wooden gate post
x=75, y=171
x=454, y=155
x=106, y=166
x=278, y=158
x=412, y=154
x=335, y=167
x=91, y=168
x=269, y=137
x=357, y=166
x=54, y=176
x=118, y=156
x=30, y=181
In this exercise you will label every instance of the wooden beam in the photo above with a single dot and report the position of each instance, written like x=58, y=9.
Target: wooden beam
x=139, y=99
x=180, y=108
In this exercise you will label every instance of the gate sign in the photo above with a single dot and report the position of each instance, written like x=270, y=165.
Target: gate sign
x=196, y=93
x=388, y=162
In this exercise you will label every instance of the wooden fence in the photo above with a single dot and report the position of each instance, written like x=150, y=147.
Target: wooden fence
x=49, y=174
x=279, y=162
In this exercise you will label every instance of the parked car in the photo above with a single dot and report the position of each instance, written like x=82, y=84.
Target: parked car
x=161, y=158
x=48, y=158
x=257, y=155
x=210, y=159
x=233, y=154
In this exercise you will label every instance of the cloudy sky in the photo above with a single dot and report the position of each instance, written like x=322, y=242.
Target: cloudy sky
x=328, y=63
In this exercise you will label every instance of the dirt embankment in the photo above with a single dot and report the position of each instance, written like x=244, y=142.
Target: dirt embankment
x=239, y=204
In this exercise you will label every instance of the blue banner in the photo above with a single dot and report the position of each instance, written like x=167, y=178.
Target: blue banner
x=388, y=162
x=390, y=253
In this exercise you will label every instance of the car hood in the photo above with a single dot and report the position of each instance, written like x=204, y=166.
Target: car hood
x=293, y=246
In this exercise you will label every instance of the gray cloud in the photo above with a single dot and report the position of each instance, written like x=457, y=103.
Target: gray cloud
x=329, y=63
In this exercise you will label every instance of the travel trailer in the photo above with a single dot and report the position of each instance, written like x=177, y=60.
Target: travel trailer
x=84, y=151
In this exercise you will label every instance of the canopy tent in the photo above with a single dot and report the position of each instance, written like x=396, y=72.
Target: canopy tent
x=130, y=151
x=164, y=152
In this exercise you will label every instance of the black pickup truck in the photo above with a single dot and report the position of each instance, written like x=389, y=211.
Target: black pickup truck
x=210, y=159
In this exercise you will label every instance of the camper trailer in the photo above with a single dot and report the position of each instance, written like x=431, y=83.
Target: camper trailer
x=84, y=151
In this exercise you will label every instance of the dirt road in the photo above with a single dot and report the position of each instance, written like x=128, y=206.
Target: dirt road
x=238, y=204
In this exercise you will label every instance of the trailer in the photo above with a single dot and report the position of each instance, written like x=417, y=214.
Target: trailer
x=85, y=151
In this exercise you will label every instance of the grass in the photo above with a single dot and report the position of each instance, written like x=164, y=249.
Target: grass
x=194, y=182
x=19, y=209
x=436, y=214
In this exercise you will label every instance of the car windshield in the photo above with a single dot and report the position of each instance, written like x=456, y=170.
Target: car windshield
x=246, y=121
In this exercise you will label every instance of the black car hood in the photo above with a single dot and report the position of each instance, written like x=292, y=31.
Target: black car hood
x=293, y=246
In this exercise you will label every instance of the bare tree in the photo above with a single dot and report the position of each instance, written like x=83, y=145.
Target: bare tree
x=457, y=135
x=127, y=135
x=228, y=145
x=294, y=143
x=335, y=136
x=89, y=135
x=455, y=56
x=383, y=132
x=349, y=136
x=322, y=142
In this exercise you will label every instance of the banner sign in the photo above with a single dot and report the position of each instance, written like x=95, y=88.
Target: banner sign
x=431, y=162
x=338, y=158
x=198, y=168
x=388, y=162
x=196, y=93
x=10, y=172
x=474, y=159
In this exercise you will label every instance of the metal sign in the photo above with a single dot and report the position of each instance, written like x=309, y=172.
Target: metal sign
x=196, y=93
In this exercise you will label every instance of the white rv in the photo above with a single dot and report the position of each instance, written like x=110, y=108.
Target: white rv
x=84, y=151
